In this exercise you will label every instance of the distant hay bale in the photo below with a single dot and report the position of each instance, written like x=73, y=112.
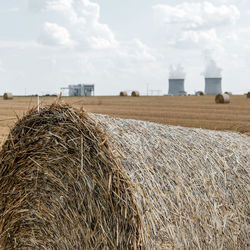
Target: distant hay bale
x=72, y=180
x=222, y=98
x=123, y=93
x=7, y=96
x=135, y=93
x=199, y=93
x=248, y=95
x=228, y=93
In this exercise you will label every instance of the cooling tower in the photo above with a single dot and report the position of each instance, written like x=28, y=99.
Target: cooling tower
x=213, y=86
x=176, y=87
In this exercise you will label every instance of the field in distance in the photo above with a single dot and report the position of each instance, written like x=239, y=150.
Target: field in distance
x=188, y=111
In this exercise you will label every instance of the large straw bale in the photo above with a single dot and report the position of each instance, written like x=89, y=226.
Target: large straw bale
x=7, y=96
x=248, y=94
x=70, y=180
x=222, y=98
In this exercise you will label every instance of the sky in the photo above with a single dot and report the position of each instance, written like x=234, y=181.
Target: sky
x=122, y=45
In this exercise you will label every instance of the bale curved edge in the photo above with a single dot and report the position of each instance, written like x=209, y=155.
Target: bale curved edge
x=61, y=187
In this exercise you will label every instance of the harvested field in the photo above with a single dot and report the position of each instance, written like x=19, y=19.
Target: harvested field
x=72, y=180
x=188, y=111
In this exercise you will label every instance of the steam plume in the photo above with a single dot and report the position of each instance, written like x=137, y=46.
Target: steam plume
x=212, y=70
x=176, y=72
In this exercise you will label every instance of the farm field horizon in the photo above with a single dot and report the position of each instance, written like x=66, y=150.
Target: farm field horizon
x=186, y=111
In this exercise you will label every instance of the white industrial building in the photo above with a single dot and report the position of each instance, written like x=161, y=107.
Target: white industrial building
x=213, y=85
x=81, y=89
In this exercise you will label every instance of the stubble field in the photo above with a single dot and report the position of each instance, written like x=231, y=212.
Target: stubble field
x=187, y=111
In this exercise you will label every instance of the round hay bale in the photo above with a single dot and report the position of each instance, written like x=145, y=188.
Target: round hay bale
x=7, y=96
x=71, y=180
x=135, y=93
x=123, y=93
x=222, y=98
x=199, y=93
x=248, y=95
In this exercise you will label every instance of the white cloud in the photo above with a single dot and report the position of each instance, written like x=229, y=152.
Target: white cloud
x=97, y=35
x=82, y=20
x=139, y=51
x=238, y=39
x=197, y=15
x=44, y=5
x=195, y=25
x=199, y=40
x=53, y=34
x=58, y=5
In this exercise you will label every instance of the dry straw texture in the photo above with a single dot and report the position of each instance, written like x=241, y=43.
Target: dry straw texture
x=70, y=180
x=248, y=95
x=7, y=96
x=135, y=93
x=123, y=93
x=222, y=98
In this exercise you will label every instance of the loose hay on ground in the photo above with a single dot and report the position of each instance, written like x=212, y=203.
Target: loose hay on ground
x=70, y=180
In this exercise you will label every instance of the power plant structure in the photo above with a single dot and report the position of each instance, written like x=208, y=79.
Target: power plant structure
x=81, y=89
x=176, y=87
x=213, y=85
